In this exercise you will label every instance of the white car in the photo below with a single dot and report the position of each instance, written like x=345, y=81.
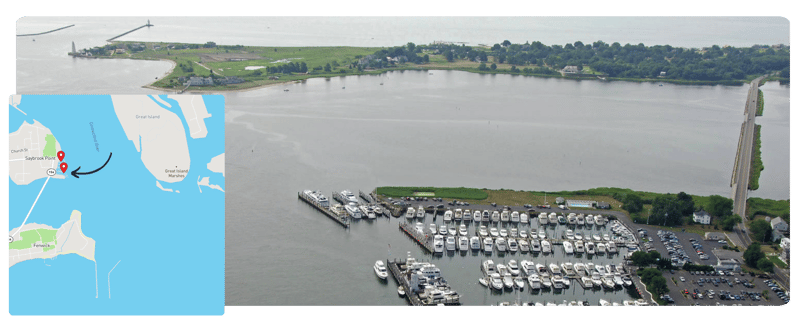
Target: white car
x=682, y=279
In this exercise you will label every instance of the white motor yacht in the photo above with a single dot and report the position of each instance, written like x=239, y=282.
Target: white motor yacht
x=600, y=269
x=604, y=302
x=599, y=220
x=505, y=216
x=501, y=245
x=545, y=280
x=443, y=230
x=496, y=217
x=418, y=227
x=493, y=232
x=514, y=217
x=566, y=281
x=513, y=232
x=579, y=268
x=528, y=267
x=553, y=218
x=483, y=231
x=589, y=219
x=561, y=219
x=534, y=246
x=522, y=234
x=485, y=216
x=600, y=248
x=578, y=236
x=463, y=230
x=523, y=246
x=617, y=279
x=596, y=237
x=590, y=268
x=596, y=279
x=367, y=212
x=569, y=234
x=611, y=247
x=590, y=248
x=534, y=282
x=380, y=270
x=439, y=244
x=410, y=213
x=348, y=197
x=353, y=210
x=554, y=269
x=557, y=282
x=546, y=246
x=587, y=282
x=420, y=212
x=496, y=282
x=541, y=269
x=508, y=281
x=477, y=216
x=475, y=243
x=626, y=279
x=464, y=243
x=488, y=245
x=452, y=230
x=447, y=216
x=533, y=233
x=543, y=218
x=606, y=237
x=568, y=268
x=503, y=232
x=450, y=243
x=572, y=219
x=569, y=249
x=524, y=218
x=488, y=267
x=513, y=244
x=541, y=234
x=519, y=283
x=512, y=267
x=579, y=247
x=433, y=229
x=466, y=216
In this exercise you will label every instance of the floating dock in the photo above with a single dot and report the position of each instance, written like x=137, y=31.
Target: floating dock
x=341, y=219
x=427, y=242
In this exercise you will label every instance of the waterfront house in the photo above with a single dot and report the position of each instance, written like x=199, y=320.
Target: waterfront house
x=662, y=74
x=199, y=81
x=785, y=243
x=570, y=70
x=780, y=228
x=702, y=217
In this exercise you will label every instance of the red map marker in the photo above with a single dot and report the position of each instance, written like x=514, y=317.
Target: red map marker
x=63, y=166
x=60, y=154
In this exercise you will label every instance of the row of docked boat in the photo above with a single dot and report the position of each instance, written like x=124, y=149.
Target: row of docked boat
x=505, y=216
x=425, y=281
x=576, y=303
x=605, y=276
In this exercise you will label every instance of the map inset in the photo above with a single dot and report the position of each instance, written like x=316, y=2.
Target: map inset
x=116, y=205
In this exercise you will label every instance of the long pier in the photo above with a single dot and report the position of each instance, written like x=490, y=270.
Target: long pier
x=427, y=242
x=341, y=219
x=130, y=31
x=46, y=32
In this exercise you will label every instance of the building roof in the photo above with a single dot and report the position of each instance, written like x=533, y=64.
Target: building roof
x=776, y=220
x=702, y=213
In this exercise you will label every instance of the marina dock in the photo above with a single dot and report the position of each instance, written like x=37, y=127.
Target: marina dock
x=427, y=242
x=367, y=197
x=343, y=220
x=394, y=267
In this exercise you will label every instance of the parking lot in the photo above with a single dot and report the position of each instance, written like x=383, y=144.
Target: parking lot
x=742, y=294
x=684, y=239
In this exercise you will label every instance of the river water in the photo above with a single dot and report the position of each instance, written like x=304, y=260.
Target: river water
x=438, y=128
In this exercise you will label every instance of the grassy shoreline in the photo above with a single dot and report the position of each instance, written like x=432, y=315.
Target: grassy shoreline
x=756, y=164
x=220, y=61
x=760, y=103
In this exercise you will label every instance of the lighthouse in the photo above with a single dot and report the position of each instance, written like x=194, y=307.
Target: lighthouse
x=74, y=47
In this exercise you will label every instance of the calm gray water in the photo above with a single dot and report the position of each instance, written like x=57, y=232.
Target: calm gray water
x=446, y=129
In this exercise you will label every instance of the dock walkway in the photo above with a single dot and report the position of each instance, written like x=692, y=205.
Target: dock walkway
x=394, y=267
x=341, y=219
x=427, y=242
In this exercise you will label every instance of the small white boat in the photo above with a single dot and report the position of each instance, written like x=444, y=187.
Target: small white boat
x=439, y=244
x=401, y=291
x=477, y=216
x=579, y=247
x=604, y=302
x=503, y=232
x=541, y=269
x=482, y=231
x=600, y=248
x=557, y=282
x=578, y=236
x=596, y=278
x=534, y=246
x=569, y=249
x=380, y=270
x=508, y=281
x=488, y=245
x=553, y=218
x=463, y=230
x=546, y=246
x=443, y=230
x=606, y=237
x=496, y=282
x=523, y=245
x=587, y=282
x=464, y=243
x=513, y=232
x=488, y=267
x=541, y=234
x=590, y=248
x=513, y=244
x=475, y=243
x=485, y=216
x=600, y=269
x=483, y=282
x=579, y=268
x=450, y=243
x=572, y=219
x=533, y=233
x=493, y=232
x=589, y=219
x=501, y=244
x=448, y=216
x=561, y=219
x=545, y=280
x=599, y=220
x=519, y=282
x=466, y=216
x=534, y=281
x=528, y=267
x=410, y=213
x=433, y=229
x=496, y=217
x=569, y=234
x=514, y=217
x=522, y=234
x=419, y=227
x=611, y=247
x=420, y=212
x=626, y=279
x=617, y=279
x=505, y=216
x=568, y=268
x=452, y=230
x=596, y=237
x=543, y=218
x=512, y=267
x=566, y=281
x=524, y=218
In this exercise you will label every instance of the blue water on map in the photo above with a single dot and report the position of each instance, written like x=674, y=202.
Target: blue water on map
x=168, y=246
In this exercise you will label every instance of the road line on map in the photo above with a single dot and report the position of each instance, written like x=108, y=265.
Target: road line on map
x=109, y=280
x=32, y=207
x=96, y=279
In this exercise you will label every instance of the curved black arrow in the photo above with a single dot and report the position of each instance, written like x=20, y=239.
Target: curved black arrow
x=75, y=172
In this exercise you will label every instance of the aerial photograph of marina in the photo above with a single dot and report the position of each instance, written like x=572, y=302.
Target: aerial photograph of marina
x=474, y=161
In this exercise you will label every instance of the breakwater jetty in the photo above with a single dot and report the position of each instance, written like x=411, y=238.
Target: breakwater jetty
x=46, y=32
x=130, y=31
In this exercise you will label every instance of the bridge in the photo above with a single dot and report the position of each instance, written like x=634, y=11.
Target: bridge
x=744, y=158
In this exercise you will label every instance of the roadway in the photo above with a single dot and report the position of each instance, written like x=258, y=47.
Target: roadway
x=740, y=186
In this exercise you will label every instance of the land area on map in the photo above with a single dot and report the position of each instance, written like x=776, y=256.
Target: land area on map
x=213, y=67
x=32, y=152
x=33, y=241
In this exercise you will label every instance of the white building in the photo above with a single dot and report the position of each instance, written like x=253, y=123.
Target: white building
x=785, y=248
x=702, y=217
x=727, y=265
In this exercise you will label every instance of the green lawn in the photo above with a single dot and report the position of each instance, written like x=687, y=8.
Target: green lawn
x=760, y=103
x=757, y=165
x=778, y=262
